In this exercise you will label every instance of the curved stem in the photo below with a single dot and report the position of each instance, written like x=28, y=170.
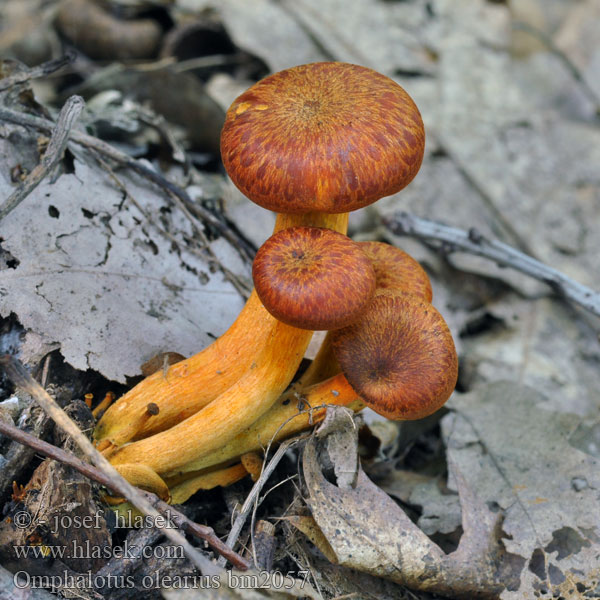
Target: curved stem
x=190, y=385
x=230, y=413
x=283, y=420
x=181, y=491
x=143, y=477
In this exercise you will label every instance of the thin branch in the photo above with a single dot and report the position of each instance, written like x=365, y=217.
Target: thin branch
x=474, y=242
x=257, y=502
x=251, y=502
x=238, y=524
x=54, y=152
x=21, y=378
x=36, y=72
x=179, y=519
x=124, y=160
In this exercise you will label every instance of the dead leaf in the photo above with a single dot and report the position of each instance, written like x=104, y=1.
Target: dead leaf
x=517, y=455
x=308, y=526
x=369, y=532
x=340, y=433
x=267, y=30
x=539, y=343
x=90, y=272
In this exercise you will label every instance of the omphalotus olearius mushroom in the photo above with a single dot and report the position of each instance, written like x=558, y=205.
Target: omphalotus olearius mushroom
x=399, y=359
x=301, y=273
x=408, y=368
x=311, y=142
x=408, y=363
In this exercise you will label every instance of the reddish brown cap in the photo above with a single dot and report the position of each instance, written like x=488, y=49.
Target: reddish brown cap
x=396, y=271
x=399, y=357
x=329, y=137
x=313, y=278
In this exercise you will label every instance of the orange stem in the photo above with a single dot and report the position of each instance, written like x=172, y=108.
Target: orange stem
x=282, y=421
x=190, y=385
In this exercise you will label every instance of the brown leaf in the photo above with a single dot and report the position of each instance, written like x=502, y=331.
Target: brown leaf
x=308, y=526
x=369, y=532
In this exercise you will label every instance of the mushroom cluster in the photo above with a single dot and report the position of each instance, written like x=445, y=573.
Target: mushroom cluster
x=312, y=142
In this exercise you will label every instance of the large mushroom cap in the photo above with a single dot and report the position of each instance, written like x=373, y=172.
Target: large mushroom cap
x=313, y=278
x=399, y=357
x=396, y=271
x=330, y=137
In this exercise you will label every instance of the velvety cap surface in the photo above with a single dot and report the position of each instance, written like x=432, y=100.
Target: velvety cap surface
x=330, y=137
x=399, y=357
x=313, y=278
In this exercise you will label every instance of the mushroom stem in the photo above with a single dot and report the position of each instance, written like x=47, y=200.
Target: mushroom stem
x=323, y=366
x=190, y=385
x=137, y=422
x=181, y=491
x=231, y=412
x=182, y=488
x=283, y=420
x=253, y=463
x=143, y=477
x=103, y=406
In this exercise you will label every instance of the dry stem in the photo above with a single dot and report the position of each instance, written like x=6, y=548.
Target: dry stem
x=21, y=378
x=474, y=242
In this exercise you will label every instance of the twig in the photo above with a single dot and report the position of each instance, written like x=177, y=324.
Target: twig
x=36, y=72
x=21, y=378
x=255, y=509
x=58, y=142
x=566, y=61
x=124, y=160
x=159, y=123
x=46, y=371
x=208, y=62
x=178, y=518
x=238, y=524
x=476, y=243
x=265, y=474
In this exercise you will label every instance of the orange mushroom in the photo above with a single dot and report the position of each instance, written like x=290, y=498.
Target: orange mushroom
x=284, y=419
x=332, y=136
x=399, y=359
x=320, y=137
x=313, y=278
x=396, y=273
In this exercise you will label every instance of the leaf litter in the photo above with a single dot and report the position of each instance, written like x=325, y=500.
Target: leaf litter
x=510, y=152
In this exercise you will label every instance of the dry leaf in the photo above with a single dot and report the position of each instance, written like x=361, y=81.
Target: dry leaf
x=368, y=531
x=308, y=526
x=90, y=272
x=517, y=455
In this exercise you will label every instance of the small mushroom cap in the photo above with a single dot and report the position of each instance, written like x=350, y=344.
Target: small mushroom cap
x=330, y=137
x=399, y=357
x=396, y=271
x=313, y=278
